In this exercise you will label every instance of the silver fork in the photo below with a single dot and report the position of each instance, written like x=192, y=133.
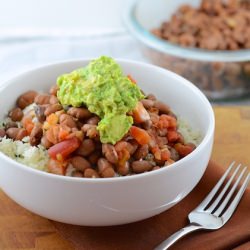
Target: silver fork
x=213, y=215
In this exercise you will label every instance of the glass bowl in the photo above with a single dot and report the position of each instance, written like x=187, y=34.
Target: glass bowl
x=219, y=74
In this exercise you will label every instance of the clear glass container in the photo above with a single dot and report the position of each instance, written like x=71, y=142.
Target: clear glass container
x=219, y=74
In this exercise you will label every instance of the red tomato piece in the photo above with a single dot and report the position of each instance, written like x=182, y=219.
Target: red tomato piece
x=172, y=135
x=62, y=150
x=140, y=135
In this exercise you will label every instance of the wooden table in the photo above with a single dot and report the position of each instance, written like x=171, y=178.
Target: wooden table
x=24, y=230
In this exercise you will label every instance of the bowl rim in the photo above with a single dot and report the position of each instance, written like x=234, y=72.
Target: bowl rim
x=152, y=41
x=207, y=136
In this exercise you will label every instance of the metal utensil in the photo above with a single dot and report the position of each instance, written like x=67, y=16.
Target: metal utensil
x=216, y=209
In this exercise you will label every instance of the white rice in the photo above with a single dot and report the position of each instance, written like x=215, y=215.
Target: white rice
x=23, y=152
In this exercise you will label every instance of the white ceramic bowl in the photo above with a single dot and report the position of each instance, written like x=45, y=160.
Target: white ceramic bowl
x=111, y=201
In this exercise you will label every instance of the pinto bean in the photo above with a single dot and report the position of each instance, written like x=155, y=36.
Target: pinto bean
x=174, y=154
x=39, y=112
x=36, y=134
x=10, y=125
x=147, y=103
x=16, y=114
x=53, y=90
x=45, y=142
x=132, y=146
x=77, y=174
x=80, y=163
x=141, y=152
x=79, y=113
x=16, y=133
x=110, y=153
x=42, y=99
x=52, y=108
x=151, y=97
x=90, y=130
x=93, y=120
x=2, y=132
x=123, y=169
x=86, y=148
x=53, y=99
x=67, y=120
x=26, y=99
x=91, y=173
x=93, y=157
x=105, y=168
x=163, y=108
x=147, y=124
x=141, y=166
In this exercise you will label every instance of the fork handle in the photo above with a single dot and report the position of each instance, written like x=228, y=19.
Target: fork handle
x=179, y=234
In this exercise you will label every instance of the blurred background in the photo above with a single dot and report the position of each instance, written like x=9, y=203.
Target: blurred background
x=33, y=33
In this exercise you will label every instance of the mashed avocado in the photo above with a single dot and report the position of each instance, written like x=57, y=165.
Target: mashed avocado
x=102, y=87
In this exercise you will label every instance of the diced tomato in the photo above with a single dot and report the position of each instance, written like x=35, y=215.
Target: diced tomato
x=56, y=167
x=28, y=124
x=156, y=152
x=167, y=121
x=52, y=119
x=140, y=114
x=62, y=150
x=172, y=135
x=184, y=149
x=131, y=79
x=140, y=135
x=165, y=154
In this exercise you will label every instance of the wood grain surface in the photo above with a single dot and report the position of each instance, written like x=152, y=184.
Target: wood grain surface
x=20, y=229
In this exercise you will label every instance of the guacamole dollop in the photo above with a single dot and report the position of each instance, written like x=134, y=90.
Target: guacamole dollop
x=106, y=91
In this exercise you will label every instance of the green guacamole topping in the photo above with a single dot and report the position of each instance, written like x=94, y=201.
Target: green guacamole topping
x=102, y=87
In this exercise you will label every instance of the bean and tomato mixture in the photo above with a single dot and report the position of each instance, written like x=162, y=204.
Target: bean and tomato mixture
x=71, y=137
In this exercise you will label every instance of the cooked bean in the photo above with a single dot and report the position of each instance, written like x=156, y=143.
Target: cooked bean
x=45, y=142
x=39, y=112
x=53, y=90
x=90, y=130
x=147, y=124
x=123, y=169
x=93, y=120
x=16, y=114
x=151, y=97
x=141, y=166
x=80, y=163
x=52, y=108
x=132, y=146
x=141, y=152
x=174, y=154
x=16, y=133
x=42, y=99
x=110, y=153
x=155, y=168
x=26, y=99
x=10, y=125
x=2, y=132
x=105, y=168
x=67, y=120
x=93, y=157
x=147, y=103
x=53, y=99
x=77, y=174
x=36, y=134
x=79, y=113
x=86, y=148
x=91, y=173
x=162, y=107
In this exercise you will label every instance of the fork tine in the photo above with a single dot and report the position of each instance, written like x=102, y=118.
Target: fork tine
x=229, y=195
x=227, y=215
x=210, y=196
x=218, y=199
